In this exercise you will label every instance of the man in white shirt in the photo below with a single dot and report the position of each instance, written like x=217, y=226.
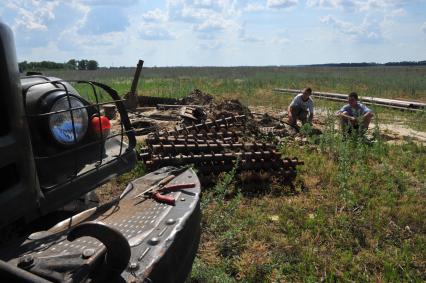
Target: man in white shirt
x=354, y=115
x=301, y=108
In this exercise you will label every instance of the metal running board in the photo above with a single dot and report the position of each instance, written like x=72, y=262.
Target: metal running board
x=163, y=239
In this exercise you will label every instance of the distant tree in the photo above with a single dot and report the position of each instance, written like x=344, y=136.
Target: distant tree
x=23, y=66
x=72, y=64
x=82, y=64
x=92, y=65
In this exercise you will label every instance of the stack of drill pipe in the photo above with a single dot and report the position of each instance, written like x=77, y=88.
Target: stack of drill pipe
x=210, y=138
x=228, y=156
x=185, y=140
x=385, y=102
x=214, y=147
x=219, y=162
x=206, y=147
x=225, y=123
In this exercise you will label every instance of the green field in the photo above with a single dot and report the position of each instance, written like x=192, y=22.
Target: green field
x=245, y=82
x=253, y=85
x=356, y=212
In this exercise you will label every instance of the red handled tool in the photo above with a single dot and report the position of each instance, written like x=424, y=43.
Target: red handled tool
x=158, y=197
x=157, y=186
x=177, y=187
x=156, y=190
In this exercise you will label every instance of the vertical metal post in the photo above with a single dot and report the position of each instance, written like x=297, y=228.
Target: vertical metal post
x=136, y=77
x=132, y=97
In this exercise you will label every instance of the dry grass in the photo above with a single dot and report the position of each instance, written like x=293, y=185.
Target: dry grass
x=356, y=214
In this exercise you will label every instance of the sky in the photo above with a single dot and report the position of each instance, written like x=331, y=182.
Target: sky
x=217, y=33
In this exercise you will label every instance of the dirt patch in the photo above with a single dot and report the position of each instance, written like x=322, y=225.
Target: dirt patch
x=197, y=97
x=267, y=120
x=227, y=108
x=260, y=122
x=395, y=133
x=399, y=133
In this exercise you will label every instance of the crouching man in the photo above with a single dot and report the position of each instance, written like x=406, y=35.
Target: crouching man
x=354, y=115
x=301, y=108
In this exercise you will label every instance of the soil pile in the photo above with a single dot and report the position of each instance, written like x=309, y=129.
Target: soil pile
x=197, y=97
x=256, y=125
x=231, y=107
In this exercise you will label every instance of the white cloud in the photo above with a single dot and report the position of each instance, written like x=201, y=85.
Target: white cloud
x=254, y=7
x=331, y=3
x=199, y=10
x=367, y=31
x=153, y=25
x=398, y=13
x=155, y=15
x=389, y=24
x=208, y=18
x=105, y=19
x=358, y=5
x=280, y=41
x=156, y=33
x=212, y=31
x=280, y=4
x=32, y=15
x=213, y=24
x=210, y=45
x=343, y=27
x=242, y=35
x=281, y=37
x=109, y=2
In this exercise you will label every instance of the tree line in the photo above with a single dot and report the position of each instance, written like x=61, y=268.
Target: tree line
x=85, y=64
x=72, y=64
x=369, y=64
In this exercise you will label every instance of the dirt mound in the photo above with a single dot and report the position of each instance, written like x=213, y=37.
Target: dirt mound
x=267, y=120
x=231, y=107
x=197, y=97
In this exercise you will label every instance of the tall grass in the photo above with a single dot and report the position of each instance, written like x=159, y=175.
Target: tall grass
x=358, y=216
x=393, y=82
x=253, y=85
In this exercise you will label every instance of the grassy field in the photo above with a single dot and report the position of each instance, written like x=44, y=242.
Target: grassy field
x=253, y=85
x=245, y=82
x=356, y=212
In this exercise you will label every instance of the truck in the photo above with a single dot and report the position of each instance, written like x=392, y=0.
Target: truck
x=56, y=145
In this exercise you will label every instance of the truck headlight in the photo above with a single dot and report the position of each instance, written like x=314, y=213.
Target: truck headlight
x=61, y=124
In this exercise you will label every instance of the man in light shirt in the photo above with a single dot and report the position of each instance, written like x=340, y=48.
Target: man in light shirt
x=354, y=115
x=301, y=108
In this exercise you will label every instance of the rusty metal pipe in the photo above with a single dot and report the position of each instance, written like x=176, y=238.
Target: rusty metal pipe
x=215, y=156
x=227, y=165
x=156, y=138
x=172, y=140
x=206, y=147
x=220, y=123
x=158, y=160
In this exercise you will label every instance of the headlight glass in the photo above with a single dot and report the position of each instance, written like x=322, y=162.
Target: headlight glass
x=61, y=125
